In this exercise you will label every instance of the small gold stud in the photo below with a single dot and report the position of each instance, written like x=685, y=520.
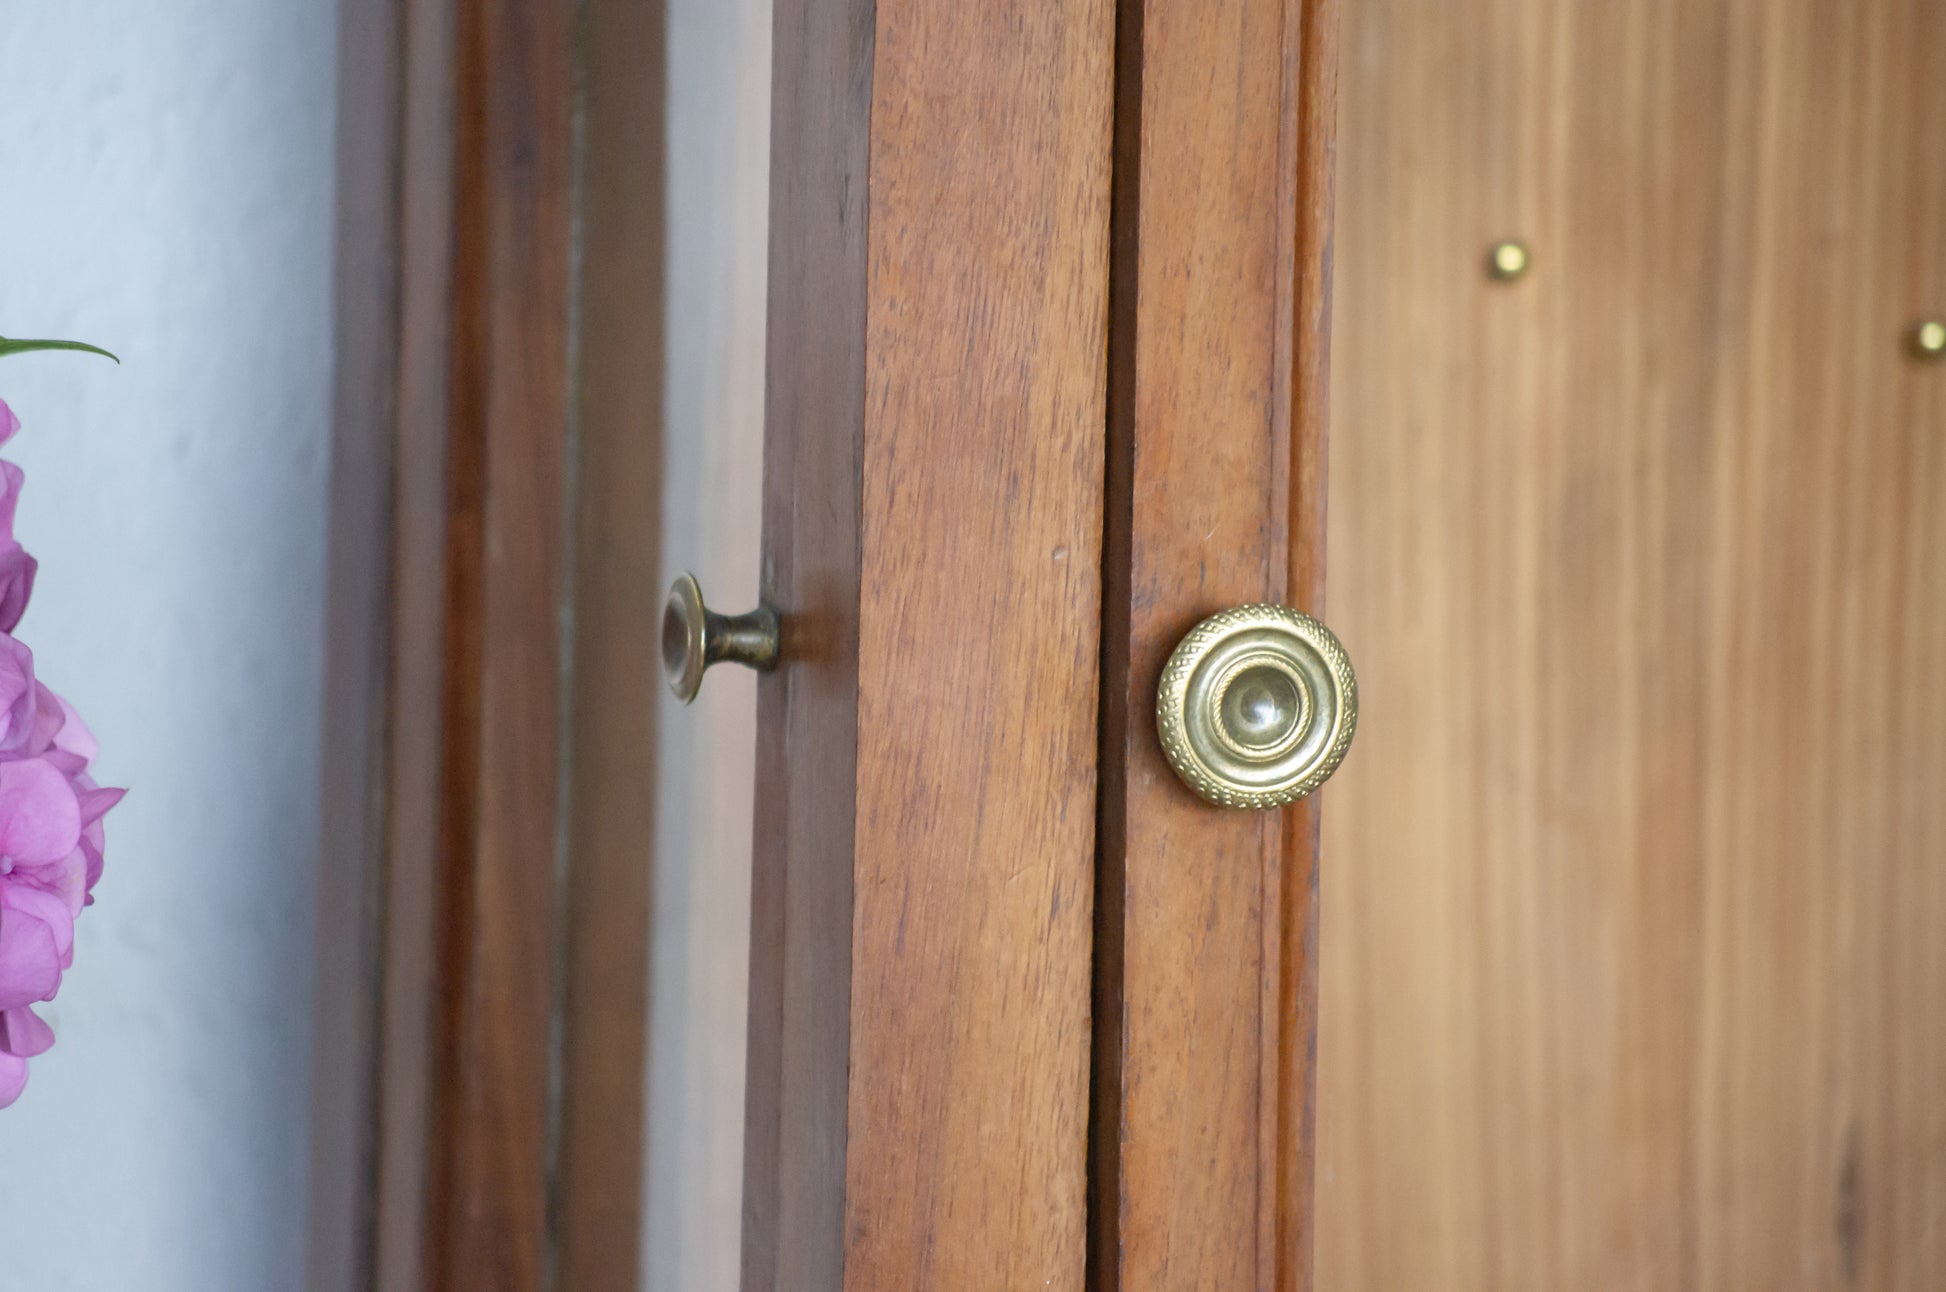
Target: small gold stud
x=1929, y=339
x=1507, y=261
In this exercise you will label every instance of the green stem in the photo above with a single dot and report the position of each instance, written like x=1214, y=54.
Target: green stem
x=21, y=347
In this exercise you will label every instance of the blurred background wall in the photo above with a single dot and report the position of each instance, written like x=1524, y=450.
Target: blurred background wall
x=166, y=191
x=718, y=222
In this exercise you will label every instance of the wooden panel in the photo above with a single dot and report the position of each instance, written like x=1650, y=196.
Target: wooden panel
x=926, y=757
x=1202, y=1081
x=1632, y=965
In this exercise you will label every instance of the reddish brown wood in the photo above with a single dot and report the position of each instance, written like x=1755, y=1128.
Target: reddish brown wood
x=413, y=768
x=1304, y=386
x=807, y=721
x=1206, y=936
x=486, y=1041
x=927, y=754
x=501, y=697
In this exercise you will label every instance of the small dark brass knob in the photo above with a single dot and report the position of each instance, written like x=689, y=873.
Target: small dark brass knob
x=695, y=637
x=1257, y=706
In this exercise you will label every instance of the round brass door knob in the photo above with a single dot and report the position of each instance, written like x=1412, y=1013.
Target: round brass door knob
x=695, y=637
x=1257, y=706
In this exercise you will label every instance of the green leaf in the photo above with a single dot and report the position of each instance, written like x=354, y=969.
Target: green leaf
x=21, y=347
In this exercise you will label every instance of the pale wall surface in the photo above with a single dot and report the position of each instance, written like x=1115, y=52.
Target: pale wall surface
x=165, y=190
x=718, y=221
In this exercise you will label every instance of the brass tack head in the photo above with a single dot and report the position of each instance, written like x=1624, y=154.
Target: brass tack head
x=1929, y=339
x=1507, y=261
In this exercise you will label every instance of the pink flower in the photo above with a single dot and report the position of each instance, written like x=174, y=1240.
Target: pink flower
x=51, y=813
x=16, y=567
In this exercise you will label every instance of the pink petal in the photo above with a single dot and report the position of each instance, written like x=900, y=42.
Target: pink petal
x=46, y=902
x=74, y=736
x=30, y=967
x=11, y=478
x=23, y=1033
x=40, y=818
x=48, y=718
x=8, y=422
x=96, y=802
x=13, y=1071
x=17, y=695
x=17, y=570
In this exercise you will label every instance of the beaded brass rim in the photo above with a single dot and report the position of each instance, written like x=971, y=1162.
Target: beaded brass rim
x=1257, y=706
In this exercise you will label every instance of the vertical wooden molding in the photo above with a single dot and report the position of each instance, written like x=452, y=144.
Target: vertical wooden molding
x=1205, y=944
x=1291, y=979
x=798, y=1066
x=617, y=492
x=414, y=744
x=499, y=850
x=366, y=291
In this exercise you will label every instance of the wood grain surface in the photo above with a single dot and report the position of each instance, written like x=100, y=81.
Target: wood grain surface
x=1633, y=957
x=926, y=765
x=502, y=693
x=979, y=644
x=1202, y=1057
x=485, y=1054
x=797, y=1065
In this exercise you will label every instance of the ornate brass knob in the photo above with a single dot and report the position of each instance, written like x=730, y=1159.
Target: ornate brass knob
x=1257, y=706
x=695, y=637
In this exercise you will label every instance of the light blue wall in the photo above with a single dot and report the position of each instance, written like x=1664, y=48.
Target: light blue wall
x=165, y=190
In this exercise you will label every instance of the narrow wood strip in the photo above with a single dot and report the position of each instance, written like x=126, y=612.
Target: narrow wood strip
x=1311, y=99
x=502, y=693
x=366, y=291
x=617, y=491
x=414, y=748
x=797, y=1069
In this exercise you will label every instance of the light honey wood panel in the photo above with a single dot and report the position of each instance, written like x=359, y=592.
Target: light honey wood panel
x=1635, y=943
